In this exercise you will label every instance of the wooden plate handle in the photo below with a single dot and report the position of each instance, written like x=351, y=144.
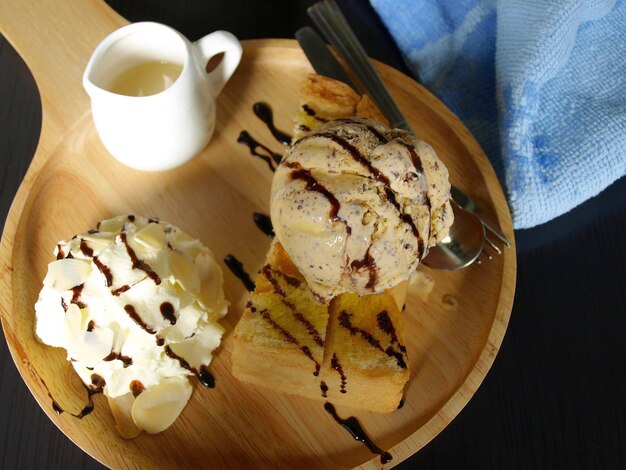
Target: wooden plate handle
x=56, y=39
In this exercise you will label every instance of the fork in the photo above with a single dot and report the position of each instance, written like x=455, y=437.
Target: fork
x=467, y=203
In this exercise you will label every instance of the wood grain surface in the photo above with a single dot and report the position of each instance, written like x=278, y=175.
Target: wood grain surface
x=553, y=398
x=72, y=183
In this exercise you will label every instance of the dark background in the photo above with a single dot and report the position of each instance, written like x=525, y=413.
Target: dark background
x=554, y=397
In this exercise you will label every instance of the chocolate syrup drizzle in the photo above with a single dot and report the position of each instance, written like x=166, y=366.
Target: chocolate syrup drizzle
x=323, y=388
x=381, y=138
x=312, y=184
x=386, y=325
x=310, y=328
x=271, y=158
x=76, y=291
x=307, y=109
x=376, y=173
x=311, y=112
x=120, y=290
x=265, y=314
x=204, y=376
x=336, y=365
x=264, y=223
x=355, y=429
x=305, y=349
x=132, y=313
x=369, y=263
x=269, y=275
x=96, y=386
x=264, y=113
x=136, y=387
x=344, y=321
x=378, y=176
x=419, y=168
x=167, y=310
x=236, y=267
x=267, y=272
x=140, y=264
x=354, y=153
x=104, y=269
x=181, y=360
x=292, y=281
x=126, y=360
x=86, y=249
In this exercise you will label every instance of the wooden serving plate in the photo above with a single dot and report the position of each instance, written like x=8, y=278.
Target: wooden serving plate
x=73, y=182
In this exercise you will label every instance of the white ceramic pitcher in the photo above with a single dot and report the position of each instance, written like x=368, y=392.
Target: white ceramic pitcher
x=166, y=129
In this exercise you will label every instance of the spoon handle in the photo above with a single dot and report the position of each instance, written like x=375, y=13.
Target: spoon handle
x=494, y=230
x=328, y=18
x=469, y=205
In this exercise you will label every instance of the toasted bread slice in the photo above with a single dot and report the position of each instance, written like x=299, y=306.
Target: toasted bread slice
x=324, y=99
x=365, y=362
x=350, y=351
x=279, y=341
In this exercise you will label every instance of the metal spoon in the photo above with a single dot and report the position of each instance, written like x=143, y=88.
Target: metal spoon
x=469, y=205
x=465, y=240
x=463, y=244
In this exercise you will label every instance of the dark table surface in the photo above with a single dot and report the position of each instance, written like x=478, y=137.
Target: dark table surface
x=554, y=397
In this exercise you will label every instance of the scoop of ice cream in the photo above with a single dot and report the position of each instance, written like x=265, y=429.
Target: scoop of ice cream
x=357, y=205
x=136, y=302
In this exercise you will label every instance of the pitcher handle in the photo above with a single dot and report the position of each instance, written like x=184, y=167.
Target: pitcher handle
x=215, y=43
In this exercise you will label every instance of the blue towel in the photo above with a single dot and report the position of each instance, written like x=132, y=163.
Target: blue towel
x=540, y=84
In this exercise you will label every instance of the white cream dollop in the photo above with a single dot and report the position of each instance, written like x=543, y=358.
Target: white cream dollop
x=137, y=302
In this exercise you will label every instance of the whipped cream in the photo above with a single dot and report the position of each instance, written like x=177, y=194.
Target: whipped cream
x=135, y=301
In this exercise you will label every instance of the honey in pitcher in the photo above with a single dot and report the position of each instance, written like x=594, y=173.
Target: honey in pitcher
x=146, y=79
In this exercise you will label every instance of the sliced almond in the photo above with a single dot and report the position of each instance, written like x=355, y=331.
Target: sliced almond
x=157, y=407
x=212, y=284
x=72, y=324
x=91, y=347
x=98, y=241
x=121, y=407
x=50, y=327
x=66, y=273
x=113, y=225
x=184, y=271
x=197, y=350
x=151, y=236
x=186, y=325
x=119, y=336
x=191, y=246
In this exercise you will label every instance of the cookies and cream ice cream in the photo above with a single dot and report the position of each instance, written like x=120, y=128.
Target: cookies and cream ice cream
x=136, y=302
x=357, y=205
